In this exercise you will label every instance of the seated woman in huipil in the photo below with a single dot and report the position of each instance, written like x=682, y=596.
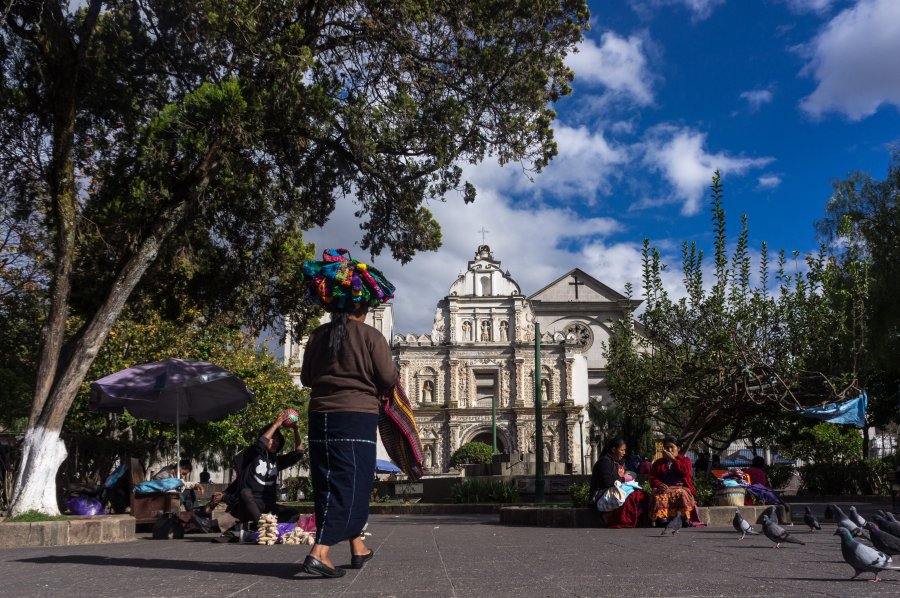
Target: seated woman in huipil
x=608, y=470
x=672, y=485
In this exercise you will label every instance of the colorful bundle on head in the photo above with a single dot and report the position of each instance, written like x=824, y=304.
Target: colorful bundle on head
x=340, y=283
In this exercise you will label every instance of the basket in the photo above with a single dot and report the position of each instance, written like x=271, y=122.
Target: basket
x=730, y=497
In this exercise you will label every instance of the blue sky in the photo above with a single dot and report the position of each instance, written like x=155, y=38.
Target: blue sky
x=782, y=95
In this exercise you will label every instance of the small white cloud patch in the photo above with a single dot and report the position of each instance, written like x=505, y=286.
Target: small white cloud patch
x=854, y=61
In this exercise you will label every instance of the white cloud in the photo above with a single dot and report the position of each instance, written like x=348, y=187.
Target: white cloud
x=535, y=244
x=814, y=6
x=854, y=61
x=700, y=9
x=769, y=181
x=582, y=170
x=618, y=63
x=755, y=98
x=679, y=154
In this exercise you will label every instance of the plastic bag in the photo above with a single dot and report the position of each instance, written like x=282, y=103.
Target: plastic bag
x=85, y=505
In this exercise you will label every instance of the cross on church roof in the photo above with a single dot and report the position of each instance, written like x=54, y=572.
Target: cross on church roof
x=575, y=284
x=483, y=232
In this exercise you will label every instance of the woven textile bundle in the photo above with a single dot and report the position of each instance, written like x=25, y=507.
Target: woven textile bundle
x=399, y=432
x=339, y=283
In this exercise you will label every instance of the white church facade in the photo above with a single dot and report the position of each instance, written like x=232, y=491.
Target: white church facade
x=479, y=355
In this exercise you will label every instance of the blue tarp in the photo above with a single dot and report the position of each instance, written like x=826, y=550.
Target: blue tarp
x=851, y=413
x=383, y=466
x=155, y=486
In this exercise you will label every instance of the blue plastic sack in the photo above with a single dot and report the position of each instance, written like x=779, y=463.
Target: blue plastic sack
x=85, y=506
x=157, y=486
x=116, y=475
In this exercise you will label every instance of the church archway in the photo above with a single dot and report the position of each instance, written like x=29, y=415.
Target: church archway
x=483, y=434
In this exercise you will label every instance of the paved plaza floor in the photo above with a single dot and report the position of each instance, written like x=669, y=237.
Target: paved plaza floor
x=453, y=556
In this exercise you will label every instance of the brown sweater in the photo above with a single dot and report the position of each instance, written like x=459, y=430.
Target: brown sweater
x=352, y=381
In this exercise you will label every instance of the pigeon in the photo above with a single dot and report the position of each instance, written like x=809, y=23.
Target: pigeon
x=777, y=534
x=881, y=513
x=883, y=541
x=856, y=517
x=674, y=525
x=810, y=520
x=890, y=516
x=861, y=557
x=741, y=525
x=886, y=525
x=841, y=519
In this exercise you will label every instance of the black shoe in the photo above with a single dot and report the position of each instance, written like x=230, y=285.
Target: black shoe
x=358, y=560
x=314, y=566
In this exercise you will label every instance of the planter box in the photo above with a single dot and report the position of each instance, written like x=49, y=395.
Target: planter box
x=72, y=532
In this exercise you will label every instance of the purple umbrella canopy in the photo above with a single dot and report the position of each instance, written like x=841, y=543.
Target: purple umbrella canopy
x=171, y=391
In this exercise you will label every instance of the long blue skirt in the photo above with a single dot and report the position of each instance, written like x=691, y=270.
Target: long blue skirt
x=342, y=467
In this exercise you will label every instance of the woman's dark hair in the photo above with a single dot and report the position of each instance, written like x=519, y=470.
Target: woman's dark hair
x=670, y=440
x=758, y=461
x=613, y=444
x=339, y=330
x=186, y=464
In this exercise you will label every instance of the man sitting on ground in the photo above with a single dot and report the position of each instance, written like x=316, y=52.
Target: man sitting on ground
x=254, y=492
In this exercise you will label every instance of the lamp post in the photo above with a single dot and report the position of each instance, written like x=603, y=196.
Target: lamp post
x=581, y=432
x=494, y=423
x=538, y=420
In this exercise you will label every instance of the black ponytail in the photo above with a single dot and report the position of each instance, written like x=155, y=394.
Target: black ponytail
x=338, y=332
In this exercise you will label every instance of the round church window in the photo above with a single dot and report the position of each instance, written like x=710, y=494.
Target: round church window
x=579, y=334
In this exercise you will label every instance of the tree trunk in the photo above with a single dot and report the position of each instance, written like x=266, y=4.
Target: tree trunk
x=42, y=453
x=36, y=478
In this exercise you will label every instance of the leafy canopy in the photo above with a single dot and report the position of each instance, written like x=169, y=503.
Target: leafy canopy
x=703, y=366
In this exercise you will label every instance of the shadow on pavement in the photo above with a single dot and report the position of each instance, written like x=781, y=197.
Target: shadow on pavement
x=280, y=570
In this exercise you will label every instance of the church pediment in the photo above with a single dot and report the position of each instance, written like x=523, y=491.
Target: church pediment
x=577, y=286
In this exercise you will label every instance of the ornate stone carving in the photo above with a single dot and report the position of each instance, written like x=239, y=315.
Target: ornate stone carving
x=486, y=330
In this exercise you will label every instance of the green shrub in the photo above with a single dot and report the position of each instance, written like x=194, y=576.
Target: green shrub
x=826, y=444
x=779, y=476
x=474, y=491
x=580, y=495
x=705, y=488
x=472, y=453
x=867, y=476
x=296, y=485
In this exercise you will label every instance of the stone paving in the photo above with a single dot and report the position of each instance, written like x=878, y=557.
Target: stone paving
x=453, y=556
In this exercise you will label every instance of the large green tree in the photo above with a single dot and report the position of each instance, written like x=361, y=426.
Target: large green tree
x=862, y=223
x=703, y=367
x=176, y=150
x=95, y=440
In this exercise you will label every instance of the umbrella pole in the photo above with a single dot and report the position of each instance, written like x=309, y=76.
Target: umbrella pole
x=178, y=434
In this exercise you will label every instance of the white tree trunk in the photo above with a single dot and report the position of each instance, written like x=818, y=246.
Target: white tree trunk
x=42, y=454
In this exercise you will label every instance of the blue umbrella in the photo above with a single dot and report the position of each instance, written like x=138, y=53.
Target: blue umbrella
x=382, y=466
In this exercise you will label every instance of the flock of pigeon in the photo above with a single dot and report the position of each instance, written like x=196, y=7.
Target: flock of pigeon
x=884, y=534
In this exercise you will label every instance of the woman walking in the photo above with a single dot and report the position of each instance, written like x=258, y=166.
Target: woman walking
x=347, y=365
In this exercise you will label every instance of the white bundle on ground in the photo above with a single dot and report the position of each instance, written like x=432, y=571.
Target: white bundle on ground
x=268, y=529
x=298, y=536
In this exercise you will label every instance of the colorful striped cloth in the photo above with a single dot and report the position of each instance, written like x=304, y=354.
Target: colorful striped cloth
x=399, y=432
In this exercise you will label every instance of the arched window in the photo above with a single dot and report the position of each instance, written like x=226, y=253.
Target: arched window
x=485, y=286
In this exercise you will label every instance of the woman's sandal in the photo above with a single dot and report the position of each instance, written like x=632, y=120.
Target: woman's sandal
x=314, y=566
x=358, y=560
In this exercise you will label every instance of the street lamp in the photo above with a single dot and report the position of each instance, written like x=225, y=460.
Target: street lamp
x=581, y=431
